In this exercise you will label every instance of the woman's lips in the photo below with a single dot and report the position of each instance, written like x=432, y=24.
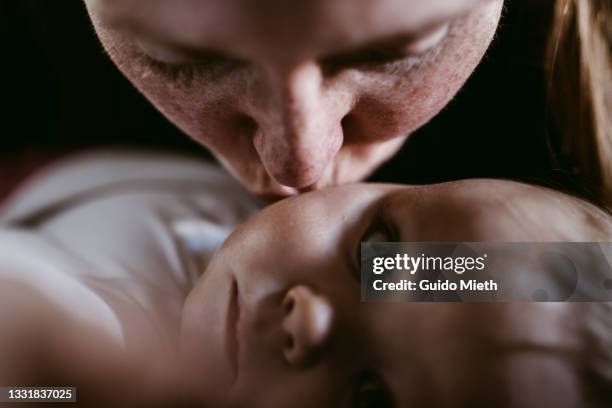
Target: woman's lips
x=271, y=197
x=231, y=329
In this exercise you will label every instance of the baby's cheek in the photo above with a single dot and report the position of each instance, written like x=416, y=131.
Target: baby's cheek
x=540, y=380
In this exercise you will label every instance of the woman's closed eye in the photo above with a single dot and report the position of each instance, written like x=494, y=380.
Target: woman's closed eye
x=173, y=63
x=371, y=392
x=397, y=49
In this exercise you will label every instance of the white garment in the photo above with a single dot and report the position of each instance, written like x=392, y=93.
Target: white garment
x=119, y=238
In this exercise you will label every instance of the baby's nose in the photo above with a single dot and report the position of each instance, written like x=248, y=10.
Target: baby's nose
x=307, y=323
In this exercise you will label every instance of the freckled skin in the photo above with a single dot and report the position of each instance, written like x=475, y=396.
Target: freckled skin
x=279, y=120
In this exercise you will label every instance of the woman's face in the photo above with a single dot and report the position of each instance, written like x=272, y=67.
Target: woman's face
x=294, y=96
x=276, y=320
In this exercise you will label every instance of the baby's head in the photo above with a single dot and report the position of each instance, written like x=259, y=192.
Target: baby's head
x=277, y=320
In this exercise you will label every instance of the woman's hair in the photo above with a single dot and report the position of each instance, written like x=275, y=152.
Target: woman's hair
x=580, y=92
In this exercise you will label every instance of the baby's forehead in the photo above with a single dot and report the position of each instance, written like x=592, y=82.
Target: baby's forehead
x=462, y=337
x=551, y=325
x=501, y=325
x=533, y=351
x=491, y=349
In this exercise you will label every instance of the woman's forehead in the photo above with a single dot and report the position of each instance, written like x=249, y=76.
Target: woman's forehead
x=275, y=26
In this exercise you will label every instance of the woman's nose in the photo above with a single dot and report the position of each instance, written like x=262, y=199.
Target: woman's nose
x=299, y=131
x=307, y=324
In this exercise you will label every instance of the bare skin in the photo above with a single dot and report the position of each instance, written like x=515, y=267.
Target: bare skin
x=276, y=318
x=297, y=98
x=305, y=339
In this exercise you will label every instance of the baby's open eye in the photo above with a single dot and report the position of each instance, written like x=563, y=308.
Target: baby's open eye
x=379, y=231
x=377, y=235
x=371, y=392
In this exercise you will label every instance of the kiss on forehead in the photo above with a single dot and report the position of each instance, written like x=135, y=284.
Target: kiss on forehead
x=174, y=278
x=301, y=95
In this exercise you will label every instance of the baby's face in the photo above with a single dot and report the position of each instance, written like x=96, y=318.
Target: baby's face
x=277, y=321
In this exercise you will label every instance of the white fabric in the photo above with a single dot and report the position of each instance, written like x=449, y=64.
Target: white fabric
x=115, y=234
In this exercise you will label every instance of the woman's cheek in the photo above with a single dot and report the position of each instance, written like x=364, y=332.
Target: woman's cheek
x=399, y=98
x=200, y=104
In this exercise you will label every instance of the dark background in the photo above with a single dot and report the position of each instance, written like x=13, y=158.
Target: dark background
x=61, y=93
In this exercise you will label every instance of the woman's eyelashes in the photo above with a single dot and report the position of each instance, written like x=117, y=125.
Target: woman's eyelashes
x=428, y=41
x=371, y=392
x=175, y=64
x=398, y=49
